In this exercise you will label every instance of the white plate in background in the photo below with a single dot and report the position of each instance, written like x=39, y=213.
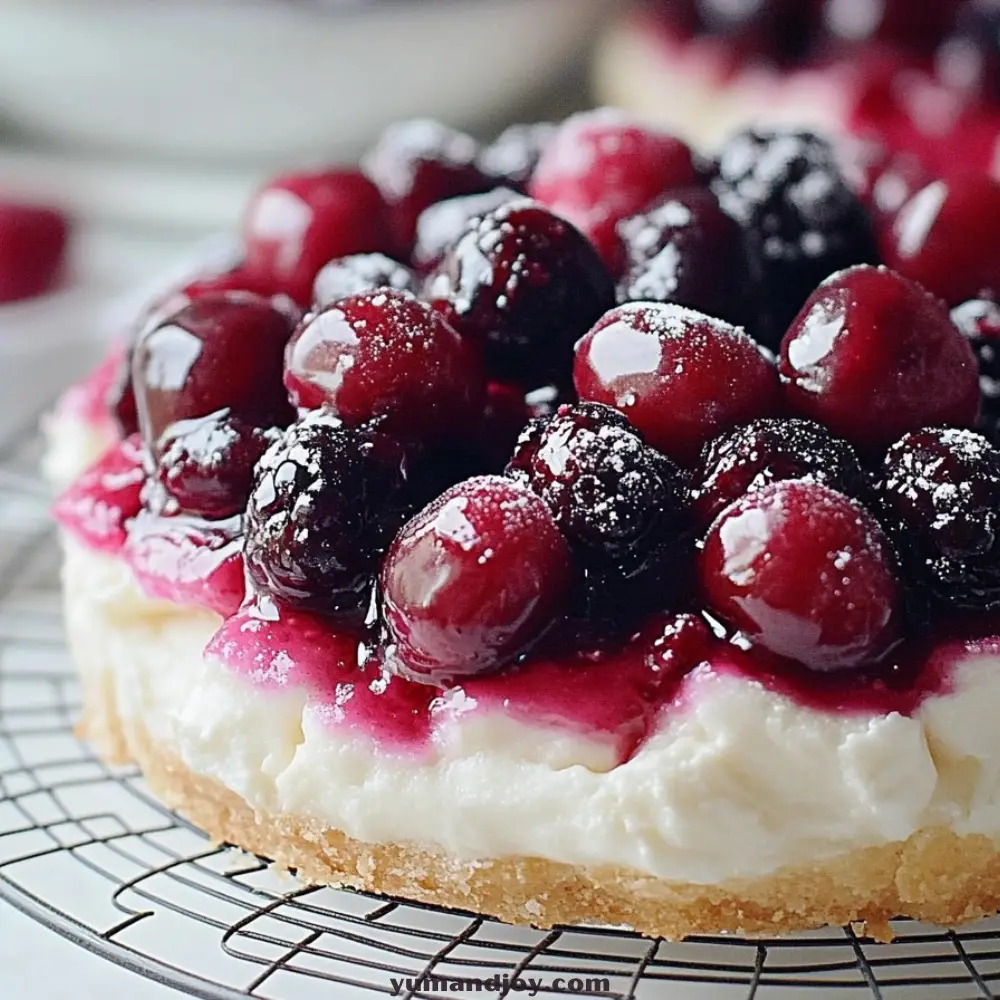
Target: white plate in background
x=274, y=80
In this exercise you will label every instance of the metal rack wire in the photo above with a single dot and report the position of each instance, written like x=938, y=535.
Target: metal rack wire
x=86, y=849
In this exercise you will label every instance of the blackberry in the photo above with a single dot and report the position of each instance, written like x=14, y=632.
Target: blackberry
x=620, y=504
x=979, y=320
x=769, y=450
x=326, y=503
x=801, y=221
x=940, y=494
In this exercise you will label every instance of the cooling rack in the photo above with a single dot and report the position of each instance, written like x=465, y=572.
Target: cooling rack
x=85, y=849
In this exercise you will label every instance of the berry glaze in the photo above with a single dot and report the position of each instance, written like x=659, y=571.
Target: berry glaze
x=645, y=518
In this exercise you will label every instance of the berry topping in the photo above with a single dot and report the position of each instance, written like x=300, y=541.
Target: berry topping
x=386, y=355
x=443, y=224
x=619, y=503
x=359, y=273
x=800, y=218
x=945, y=237
x=218, y=352
x=686, y=250
x=601, y=167
x=771, y=450
x=325, y=504
x=804, y=572
x=417, y=163
x=979, y=320
x=682, y=378
x=675, y=645
x=32, y=248
x=97, y=507
x=206, y=464
x=297, y=222
x=941, y=493
x=512, y=157
x=526, y=285
x=872, y=355
x=473, y=581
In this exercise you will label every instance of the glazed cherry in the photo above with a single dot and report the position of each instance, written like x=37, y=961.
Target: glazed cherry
x=770, y=450
x=443, y=224
x=218, y=352
x=979, y=321
x=940, y=491
x=526, y=285
x=473, y=581
x=297, y=222
x=359, y=273
x=325, y=504
x=804, y=572
x=682, y=378
x=601, y=167
x=32, y=249
x=686, y=250
x=388, y=356
x=801, y=220
x=619, y=503
x=417, y=163
x=872, y=356
x=206, y=464
x=511, y=158
x=944, y=237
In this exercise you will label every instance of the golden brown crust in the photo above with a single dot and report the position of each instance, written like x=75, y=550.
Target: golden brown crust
x=935, y=875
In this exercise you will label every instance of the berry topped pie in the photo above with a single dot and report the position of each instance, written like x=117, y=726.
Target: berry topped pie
x=924, y=74
x=571, y=529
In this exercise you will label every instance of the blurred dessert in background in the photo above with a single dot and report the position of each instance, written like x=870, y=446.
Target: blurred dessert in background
x=923, y=75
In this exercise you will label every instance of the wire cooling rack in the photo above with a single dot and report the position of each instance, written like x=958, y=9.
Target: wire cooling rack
x=85, y=849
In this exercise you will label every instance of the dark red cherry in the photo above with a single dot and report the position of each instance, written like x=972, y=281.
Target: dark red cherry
x=681, y=377
x=526, y=285
x=804, y=572
x=873, y=355
x=686, y=250
x=359, y=273
x=945, y=238
x=386, y=355
x=218, y=352
x=417, y=163
x=444, y=223
x=473, y=581
x=601, y=167
x=32, y=248
x=206, y=464
x=297, y=222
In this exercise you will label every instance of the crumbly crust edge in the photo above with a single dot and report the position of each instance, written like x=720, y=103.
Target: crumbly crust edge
x=935, y=875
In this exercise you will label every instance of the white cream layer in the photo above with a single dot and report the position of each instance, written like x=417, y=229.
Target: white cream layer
x=738, y=783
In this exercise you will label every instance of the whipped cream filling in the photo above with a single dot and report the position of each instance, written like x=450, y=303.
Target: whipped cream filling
x=736, y=781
